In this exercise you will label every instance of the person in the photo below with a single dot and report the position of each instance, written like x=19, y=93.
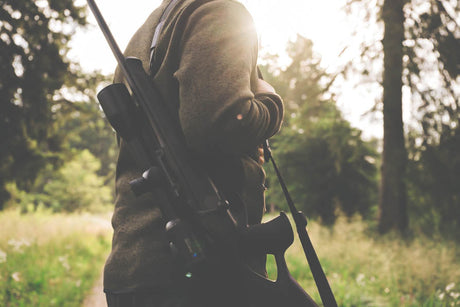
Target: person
x=205, y=67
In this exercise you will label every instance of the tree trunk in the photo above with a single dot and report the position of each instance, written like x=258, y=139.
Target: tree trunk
x=392, y=202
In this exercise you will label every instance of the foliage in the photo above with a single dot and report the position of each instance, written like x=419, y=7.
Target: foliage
x=34, y=38
x=431, y=61
x=326, y=163
x=81, y=124
x=49, y=114
x=433, y=64
x=331, y=168
x=383, y=271
x=433, y=41
x=431, y=84
x=74, y=187
x=50, y=260
x=87, y=129
x=434, y=194
x=77, y=186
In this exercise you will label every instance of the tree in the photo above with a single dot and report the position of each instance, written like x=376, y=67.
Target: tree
x=34, y=38
x=327, y=165
x=392, y=202
x=422, y=38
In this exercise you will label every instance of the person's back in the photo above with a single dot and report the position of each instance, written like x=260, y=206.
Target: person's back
x=206, y=68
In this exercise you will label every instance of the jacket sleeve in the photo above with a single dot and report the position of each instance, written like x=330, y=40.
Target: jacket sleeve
x=220, y=110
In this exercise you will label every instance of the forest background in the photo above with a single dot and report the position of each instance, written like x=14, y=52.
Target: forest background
x=399, y=193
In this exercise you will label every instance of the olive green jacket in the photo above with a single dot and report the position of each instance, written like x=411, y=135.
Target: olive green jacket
x=206, y=68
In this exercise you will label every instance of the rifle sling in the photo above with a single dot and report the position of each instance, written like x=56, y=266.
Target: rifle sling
x=159, y=27
x=324, y=289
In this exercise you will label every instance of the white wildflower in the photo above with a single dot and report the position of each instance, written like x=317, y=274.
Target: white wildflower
x=387, y=290
x=2, y=256
x=360, y=279
x=64, y=261
x=450, y=286
x=441, y=296
x=18, y=245
x=455, y=295
x=16, y=276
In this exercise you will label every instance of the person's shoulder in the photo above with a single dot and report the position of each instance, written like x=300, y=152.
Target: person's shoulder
x=221, y=11
x=226, y=4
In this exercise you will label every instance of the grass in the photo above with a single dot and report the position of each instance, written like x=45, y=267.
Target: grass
x=50, y=260
x=53, y=260
x=388, y=271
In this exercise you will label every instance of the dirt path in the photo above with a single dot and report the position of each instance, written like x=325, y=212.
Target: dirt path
x=96, y=297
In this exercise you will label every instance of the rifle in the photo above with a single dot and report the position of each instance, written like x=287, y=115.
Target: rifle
x=201, y=228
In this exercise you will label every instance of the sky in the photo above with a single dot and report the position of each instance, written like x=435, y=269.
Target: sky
x=277, y=22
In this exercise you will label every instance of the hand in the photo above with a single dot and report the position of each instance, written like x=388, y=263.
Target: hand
x=263, y=87
x=261, y=154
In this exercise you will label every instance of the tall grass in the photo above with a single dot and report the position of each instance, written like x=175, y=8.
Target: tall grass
x=388, y=271
x=50, y=260
x=53, y=260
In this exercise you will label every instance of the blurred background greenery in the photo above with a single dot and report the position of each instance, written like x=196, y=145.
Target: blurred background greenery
x=58, y=153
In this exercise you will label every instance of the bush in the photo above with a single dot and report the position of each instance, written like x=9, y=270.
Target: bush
x=74, y=187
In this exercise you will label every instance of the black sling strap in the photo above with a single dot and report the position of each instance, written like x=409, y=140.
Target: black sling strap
x=325, y=292
x=156, y=35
